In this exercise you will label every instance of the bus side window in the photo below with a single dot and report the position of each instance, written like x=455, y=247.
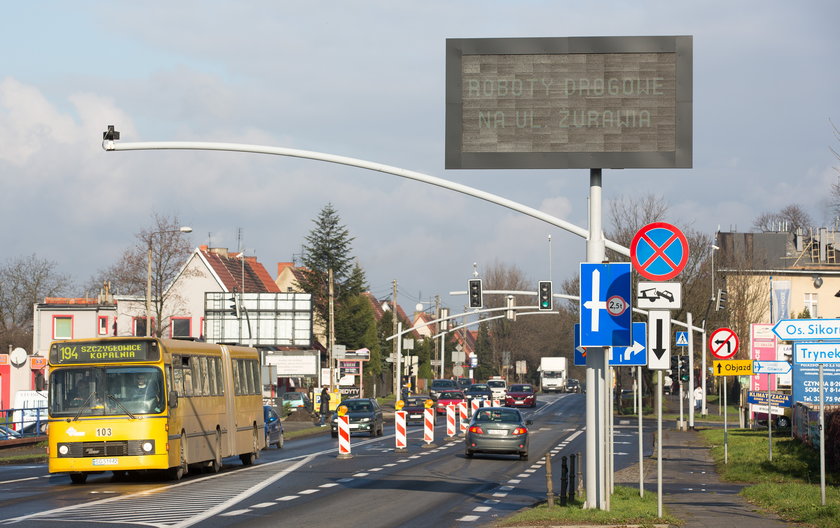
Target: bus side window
x=237, y=384
x=178, y=375
x=255, y=371
x=211, y=375
x=219, y=378
x=188, y=381
x=196, y=375
x=205, y=376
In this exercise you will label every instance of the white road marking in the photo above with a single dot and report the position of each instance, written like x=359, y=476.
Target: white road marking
x=482, y=508
x=263, y=505
x=469, y=518
x=288, y=498
x=328, y=485
x=235, y=512
x=309, y=491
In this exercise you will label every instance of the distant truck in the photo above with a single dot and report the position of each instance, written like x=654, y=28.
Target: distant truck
x=553, y=372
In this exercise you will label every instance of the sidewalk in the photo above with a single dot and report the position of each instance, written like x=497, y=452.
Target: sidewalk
x=692, y=491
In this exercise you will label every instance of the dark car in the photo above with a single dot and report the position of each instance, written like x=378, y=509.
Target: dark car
x=365, y=417
x=7, y=433
x=464, y=383
x=572, y=385
x=440, y=385
x=521, y=395
x=478, y=391
x=497, y=430
x=273, y=428
x=414, y=408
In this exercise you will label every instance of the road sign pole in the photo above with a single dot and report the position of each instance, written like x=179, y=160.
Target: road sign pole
x=638, y=395
x=704, y=372
x=595, y=361
x=659, y=443
x=690, y=369
x=725, y=431
x=822, y=436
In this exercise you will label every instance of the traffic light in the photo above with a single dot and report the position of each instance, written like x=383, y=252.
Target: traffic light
x=234, y=307
x=721, y=300
x=475, y=293
x=545, y=295
x=684, y=368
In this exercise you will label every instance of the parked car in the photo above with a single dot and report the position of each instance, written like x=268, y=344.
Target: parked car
x=295, y=400
x=439, y=385
x=273, y=428
x=414, y=408
x=521, y=395
x=7, y=433
x=498, y=430
x=365, y=417
x=448, y=398
x=498, y=386
x=572, y=385
x=478, y=391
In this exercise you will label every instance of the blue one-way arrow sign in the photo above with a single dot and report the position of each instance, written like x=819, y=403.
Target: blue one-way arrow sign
x=605, y=310
x=632, y=356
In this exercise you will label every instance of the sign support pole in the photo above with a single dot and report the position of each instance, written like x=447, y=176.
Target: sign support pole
x=595, y=361
x=690, y=370
x=641, y=437
x=822, y=436
x=725, y=431
x=704, y=373
x=659, y=443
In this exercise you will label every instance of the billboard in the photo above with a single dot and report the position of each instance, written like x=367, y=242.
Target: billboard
x=575, y=102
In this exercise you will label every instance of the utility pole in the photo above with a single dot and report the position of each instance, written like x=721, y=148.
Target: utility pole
x=437, y=315
x=396, y=341
x=331, y=340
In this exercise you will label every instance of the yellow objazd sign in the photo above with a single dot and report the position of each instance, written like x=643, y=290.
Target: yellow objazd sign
x=733, y=367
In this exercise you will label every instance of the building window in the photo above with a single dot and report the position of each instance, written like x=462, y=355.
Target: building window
x=181, y=327
x=811, y=305
x=103, y=325
x=140, y=326
x=63, y=327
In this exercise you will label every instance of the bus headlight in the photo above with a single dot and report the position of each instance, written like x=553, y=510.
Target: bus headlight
x=148, y=446
x=63, y=449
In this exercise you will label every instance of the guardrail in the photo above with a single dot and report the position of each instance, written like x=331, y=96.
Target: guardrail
x=22, y=422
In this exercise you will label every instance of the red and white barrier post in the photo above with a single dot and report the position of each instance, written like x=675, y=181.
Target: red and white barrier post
x=344, y=437
x=451, y=429
x=474, y=405
x=465, y=417
x=399, y=422
x=429, y=427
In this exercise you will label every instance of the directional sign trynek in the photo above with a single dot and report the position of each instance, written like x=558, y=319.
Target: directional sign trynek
x=771, y=367
x=659, y=339
x=807, y=329
x=723, y=343
x=659, y=251
x=605, y=312
x=816, y=353
x=659, y=295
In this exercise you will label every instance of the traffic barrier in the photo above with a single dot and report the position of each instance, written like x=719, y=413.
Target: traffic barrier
x=399, y=428
x=429, y=427
x=488, y=403
x=344, y=437
x=451, y=429
x=464, y=417
x=475, y=405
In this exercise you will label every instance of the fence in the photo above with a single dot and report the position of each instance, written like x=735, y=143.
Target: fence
x=22, y=422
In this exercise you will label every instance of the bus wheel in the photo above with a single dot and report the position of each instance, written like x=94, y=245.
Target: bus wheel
x=216, y=463
x=78, y=478
x=249, y=458
x=178, y=472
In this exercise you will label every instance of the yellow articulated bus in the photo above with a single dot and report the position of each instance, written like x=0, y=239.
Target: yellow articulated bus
x=138, y=403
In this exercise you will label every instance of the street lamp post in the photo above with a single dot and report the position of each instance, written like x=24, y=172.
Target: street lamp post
x=184, y=229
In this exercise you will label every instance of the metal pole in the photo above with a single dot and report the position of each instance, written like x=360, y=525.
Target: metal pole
x=769, y=423
x=331, y=340
x=149, y=288
x=822, y=437
x=398, y=361
x=659, y=443
x=595, y=360
x=725, y=430
x=690, y=369
x=641, y=437
x=704, y=374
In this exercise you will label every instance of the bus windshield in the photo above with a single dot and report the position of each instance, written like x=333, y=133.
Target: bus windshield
x=97, y=391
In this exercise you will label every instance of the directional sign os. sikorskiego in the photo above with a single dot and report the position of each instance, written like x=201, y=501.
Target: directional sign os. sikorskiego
x=807, y=329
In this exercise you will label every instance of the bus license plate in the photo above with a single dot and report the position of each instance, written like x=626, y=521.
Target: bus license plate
x=105, y=462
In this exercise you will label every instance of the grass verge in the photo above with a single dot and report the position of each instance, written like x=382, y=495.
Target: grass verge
x=626, y=507
x=788, y=485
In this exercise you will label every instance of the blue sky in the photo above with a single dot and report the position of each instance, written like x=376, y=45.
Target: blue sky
x=366, y=79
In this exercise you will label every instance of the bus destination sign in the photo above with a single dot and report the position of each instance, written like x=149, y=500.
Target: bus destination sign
x=581, y=102
x=67, y=352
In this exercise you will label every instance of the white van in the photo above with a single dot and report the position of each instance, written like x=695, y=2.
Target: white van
x=498, y=386
x=30, y=411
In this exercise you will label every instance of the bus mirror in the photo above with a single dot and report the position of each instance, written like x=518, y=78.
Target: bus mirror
x=173, y=399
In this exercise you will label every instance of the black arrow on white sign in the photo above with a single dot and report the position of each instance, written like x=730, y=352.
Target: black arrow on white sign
x=657, y=345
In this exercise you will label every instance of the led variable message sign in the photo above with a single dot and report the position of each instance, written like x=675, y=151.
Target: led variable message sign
x=113, y=351
x=577, y=102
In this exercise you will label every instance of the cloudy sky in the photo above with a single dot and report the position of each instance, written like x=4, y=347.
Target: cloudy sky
x=366, y=79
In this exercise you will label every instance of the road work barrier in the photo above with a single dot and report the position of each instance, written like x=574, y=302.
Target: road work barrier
x=344, y=437
x=451, y=427
x=399, y=429
x=465, y=418
x=429, y=427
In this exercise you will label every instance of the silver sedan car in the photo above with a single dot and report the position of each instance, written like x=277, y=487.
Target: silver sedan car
x=497, y=430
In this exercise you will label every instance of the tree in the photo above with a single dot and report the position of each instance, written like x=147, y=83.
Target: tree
x=170, y=248
x=25, y=281
x=355, y=327
x=789, y=219
x=328, y=246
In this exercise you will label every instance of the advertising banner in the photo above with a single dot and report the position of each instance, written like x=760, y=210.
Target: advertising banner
x=762, y=348
x=806, y=386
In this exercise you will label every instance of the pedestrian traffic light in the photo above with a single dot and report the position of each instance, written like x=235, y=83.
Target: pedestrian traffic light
x=475, y=293
x=721, y=300
x=234, y=307
x=545, y=295
x=684, y=368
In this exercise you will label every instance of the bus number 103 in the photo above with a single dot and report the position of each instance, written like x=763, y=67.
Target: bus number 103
x=103, y=431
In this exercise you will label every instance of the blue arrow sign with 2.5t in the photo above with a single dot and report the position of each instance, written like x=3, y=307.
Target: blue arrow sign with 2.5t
x=605, y=311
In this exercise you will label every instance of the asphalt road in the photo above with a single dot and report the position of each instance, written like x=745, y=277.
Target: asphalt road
x=305, y=484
